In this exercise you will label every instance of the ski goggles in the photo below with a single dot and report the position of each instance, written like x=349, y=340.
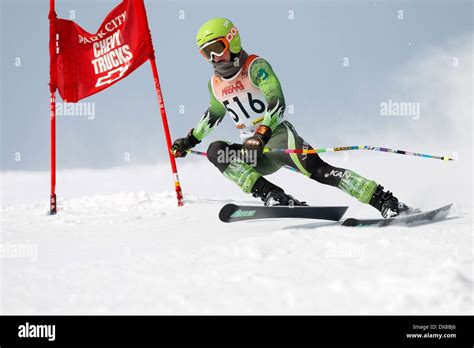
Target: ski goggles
x=214, y=48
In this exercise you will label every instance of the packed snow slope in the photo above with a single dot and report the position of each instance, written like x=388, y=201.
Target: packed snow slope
x=120, y=245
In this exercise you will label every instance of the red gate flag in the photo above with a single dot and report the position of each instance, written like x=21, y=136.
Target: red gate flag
x=82, y=64
x=89, y=63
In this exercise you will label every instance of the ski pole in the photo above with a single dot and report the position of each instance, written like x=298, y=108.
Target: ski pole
x=365, y=147
x=200, y=153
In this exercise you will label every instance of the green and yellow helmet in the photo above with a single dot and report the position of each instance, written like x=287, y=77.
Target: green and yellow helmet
x=218, y=28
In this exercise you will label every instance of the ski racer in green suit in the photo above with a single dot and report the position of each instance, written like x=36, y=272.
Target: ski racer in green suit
x=246, y=87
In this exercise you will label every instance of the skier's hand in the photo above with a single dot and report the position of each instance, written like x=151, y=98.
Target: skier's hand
x=179, y=148
x=258, y=141
x=182, y=145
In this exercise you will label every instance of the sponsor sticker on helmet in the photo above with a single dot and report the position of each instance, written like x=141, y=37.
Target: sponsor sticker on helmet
x=231, y=34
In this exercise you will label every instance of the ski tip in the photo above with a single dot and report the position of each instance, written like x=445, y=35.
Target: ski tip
x=226, y=211
x=406, y=220
x=444, y=211
x=448, y=206
x=350, y=222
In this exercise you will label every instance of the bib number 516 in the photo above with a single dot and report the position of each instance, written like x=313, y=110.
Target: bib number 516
x=256, y=105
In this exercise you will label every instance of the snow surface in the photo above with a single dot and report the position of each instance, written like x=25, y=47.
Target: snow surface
x=120, y=245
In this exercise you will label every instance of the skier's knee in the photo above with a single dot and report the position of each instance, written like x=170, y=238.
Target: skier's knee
x=327, y=174
x=213, y=154
x=321, y=171
x=318, y=175
x=214, y=149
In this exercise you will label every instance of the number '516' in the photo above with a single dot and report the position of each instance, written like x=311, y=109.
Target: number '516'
x=256, y=105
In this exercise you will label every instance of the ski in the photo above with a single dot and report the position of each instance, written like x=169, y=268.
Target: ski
x=233, y=212
x=407, y=220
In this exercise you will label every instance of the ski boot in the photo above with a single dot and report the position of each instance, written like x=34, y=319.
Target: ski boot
x=389, y=205
x=273, y=195
x=279, y=197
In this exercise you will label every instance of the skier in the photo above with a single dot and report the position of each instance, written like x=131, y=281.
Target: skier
x=246, y=87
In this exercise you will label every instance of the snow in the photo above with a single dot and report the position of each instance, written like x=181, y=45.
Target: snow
x=120, y=245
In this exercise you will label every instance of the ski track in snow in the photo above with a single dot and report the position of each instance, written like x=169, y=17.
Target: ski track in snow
x=137, y=253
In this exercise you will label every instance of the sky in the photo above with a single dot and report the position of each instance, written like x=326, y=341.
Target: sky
x=338, y=62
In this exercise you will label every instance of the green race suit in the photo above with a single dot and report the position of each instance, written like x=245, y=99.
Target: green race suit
x=254, y=97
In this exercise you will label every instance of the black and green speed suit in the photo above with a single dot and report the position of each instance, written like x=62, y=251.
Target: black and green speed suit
x=246, y=175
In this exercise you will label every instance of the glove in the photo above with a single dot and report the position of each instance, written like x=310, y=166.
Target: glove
x=182, y=145
x=258, y=141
